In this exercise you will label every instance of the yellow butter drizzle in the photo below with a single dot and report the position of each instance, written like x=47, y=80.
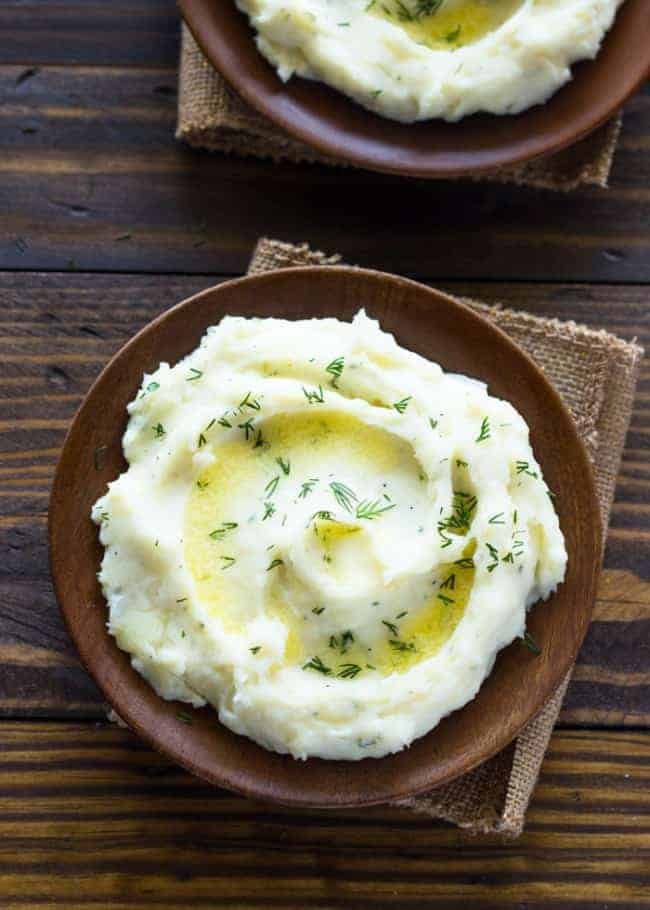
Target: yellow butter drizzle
x=455, y=23
x=424, y=630
x=239, y=475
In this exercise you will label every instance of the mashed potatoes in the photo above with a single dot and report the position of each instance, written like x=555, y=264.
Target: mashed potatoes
x=323, y=535
x=417, y=59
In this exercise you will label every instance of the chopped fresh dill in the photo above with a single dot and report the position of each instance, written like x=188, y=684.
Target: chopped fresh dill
x=181, y=600
x=529, y=642
x=220, y=533
x=184, y=717
x=269, y=510
x=307, y=487
x=485, y=430
x=343, y=495
x=427, y=8
x=228, y=562
x=249, y=402
x=151, y=387
x=403, y=12
x=449, y=582
x=401, y=406
x=224, y=422
x=318, y=610
x=335, y=369
x=317, y=664
x=255, y=649
x=460, y=463
x=274, y=564
x=313, y=396
x=400, y=615
x=341, y=642
x=518, y=546
x=523, y=467
x=349, y=671
x=211, y=424
x=392, y=628
x=285, y=466
x=247, y=427
x=433, y=423
x=497, y=519
x=453, y=36
x=159, y=430
x=446, y=600
x=272, y=486
x=322, y=515
x=260, y=442
x=465, y=563
x=401, y=645
x=495, y=557
x=201, y=440
x=372, y=510
x=195, y=374
x=462, y=513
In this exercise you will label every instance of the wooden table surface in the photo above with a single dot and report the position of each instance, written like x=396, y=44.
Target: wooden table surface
x=104, y=222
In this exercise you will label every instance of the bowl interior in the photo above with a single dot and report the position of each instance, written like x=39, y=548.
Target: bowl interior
x=435, y=326
x=327, y=120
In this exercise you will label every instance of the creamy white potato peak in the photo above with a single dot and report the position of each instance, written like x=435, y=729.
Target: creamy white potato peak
x=418, y=59
x=323, y=535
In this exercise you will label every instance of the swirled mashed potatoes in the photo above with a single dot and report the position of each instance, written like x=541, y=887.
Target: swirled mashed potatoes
x=418, y=59
x=323, y=535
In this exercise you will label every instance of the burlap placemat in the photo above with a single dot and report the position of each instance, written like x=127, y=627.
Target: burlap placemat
x=596, y=374
x=212, y=116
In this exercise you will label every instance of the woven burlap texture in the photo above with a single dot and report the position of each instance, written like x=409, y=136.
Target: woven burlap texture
x=596, y=374
x=212, y=116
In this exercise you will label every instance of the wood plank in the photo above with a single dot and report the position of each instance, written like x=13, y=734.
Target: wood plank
x=37, y=32
x=92, y=817
x=90, y=157
x=56, y=332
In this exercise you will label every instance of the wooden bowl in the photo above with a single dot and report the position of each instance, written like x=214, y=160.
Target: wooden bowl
x=333, y=124
x=435, y=326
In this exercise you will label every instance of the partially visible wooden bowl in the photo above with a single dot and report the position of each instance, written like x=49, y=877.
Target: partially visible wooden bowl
x=336, y=126
x=435, y=326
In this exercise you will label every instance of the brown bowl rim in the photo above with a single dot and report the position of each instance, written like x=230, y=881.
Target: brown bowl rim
x=121, y=704
x=294, y=106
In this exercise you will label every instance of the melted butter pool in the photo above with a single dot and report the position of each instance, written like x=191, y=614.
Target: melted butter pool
x=410, y=638
x=229, y=545
x=450, y=24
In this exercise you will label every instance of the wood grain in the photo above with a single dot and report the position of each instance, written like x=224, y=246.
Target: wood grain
x=55, y=335
x=90, y=157
x=37, y=32
x=93, y=818
x=90, y=817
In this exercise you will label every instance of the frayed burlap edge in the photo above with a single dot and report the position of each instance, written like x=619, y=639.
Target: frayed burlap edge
x=213, y=117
